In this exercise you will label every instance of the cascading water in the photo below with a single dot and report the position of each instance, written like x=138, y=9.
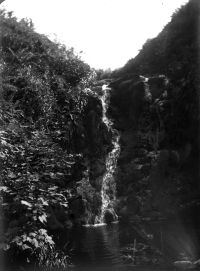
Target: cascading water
x=108, y=189
x=146, y=87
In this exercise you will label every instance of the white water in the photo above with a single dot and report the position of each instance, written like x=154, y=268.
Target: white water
x=108, y=182
x=146, y=87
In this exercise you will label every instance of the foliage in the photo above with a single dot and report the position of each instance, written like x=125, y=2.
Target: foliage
x=166, y=125
x=103, y=74
x=174, y=53
x=42, y=104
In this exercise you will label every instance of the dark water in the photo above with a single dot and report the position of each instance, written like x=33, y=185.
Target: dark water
x=101, y=247
x=177, y=239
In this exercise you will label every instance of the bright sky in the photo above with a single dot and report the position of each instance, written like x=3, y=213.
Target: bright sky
x=109, y=32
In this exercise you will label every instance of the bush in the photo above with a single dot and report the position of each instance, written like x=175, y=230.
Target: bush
x=42, y=101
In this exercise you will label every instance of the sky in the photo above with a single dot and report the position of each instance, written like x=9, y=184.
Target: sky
x=106, y=33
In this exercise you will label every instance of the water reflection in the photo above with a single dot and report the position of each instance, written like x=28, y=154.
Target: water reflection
x=176, y=239
x=97, y=246
x=102, y=247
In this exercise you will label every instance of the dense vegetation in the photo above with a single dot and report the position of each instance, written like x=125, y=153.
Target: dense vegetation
x=54, y=143
x=48, y=140
x=159, y=121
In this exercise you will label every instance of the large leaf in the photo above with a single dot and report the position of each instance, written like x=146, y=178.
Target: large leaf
x=43, y=218
x=26, y=203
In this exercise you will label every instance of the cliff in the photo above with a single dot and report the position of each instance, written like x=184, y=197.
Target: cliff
x=155, y=104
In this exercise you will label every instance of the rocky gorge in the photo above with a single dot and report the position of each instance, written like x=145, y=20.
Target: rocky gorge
x=153, y=171
x=93, y=151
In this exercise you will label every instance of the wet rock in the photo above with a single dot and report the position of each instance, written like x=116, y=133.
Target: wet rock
x=110, y=216
x=97, y=168
x=197, y=263
x=98, y=89
x=183, y=265
x=157, y=86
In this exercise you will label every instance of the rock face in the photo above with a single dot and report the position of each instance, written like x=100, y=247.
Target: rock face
x=95, y=140
x=157, y=174
x=158, y=118
x=155, y=107
x=109, y=216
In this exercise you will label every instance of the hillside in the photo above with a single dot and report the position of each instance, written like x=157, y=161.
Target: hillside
x=53, y=144
x=155, y=104
x=174, y=51
x=75, y=152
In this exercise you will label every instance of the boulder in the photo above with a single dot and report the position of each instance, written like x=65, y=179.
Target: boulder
x=183, y=265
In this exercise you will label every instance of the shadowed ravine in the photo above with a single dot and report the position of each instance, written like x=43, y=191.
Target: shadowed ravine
x=100, y=168
x=130, y=247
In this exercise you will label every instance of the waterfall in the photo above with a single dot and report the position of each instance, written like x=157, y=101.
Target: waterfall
x=147, y=91
x=108, y=189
